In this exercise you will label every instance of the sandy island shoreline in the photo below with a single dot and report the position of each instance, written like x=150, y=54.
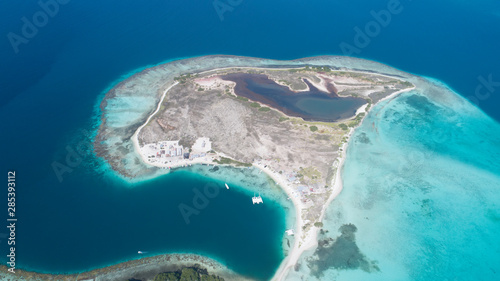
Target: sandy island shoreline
x=337, y=185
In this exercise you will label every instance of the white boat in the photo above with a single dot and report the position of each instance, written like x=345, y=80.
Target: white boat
x=227, y=186
x=257, y=200
x=140, y=252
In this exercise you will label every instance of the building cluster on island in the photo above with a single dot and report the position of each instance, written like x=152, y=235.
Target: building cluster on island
x=168, y=154
x=171, y=153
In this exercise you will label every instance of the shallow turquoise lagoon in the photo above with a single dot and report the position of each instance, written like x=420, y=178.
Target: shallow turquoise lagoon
x=421, y=197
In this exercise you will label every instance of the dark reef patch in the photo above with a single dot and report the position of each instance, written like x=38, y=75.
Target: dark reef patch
x=341, y=253
x=422, y=104
x=363, y=138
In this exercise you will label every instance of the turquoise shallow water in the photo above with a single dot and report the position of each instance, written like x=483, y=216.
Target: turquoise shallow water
x=422, y=188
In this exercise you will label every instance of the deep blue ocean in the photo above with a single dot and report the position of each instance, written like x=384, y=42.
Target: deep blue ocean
x=52, y=79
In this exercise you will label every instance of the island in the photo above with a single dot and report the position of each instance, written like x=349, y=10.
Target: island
x=420, y=176
x=292, y=120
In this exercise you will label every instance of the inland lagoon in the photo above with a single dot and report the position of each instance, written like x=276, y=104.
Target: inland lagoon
x=311, y=104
